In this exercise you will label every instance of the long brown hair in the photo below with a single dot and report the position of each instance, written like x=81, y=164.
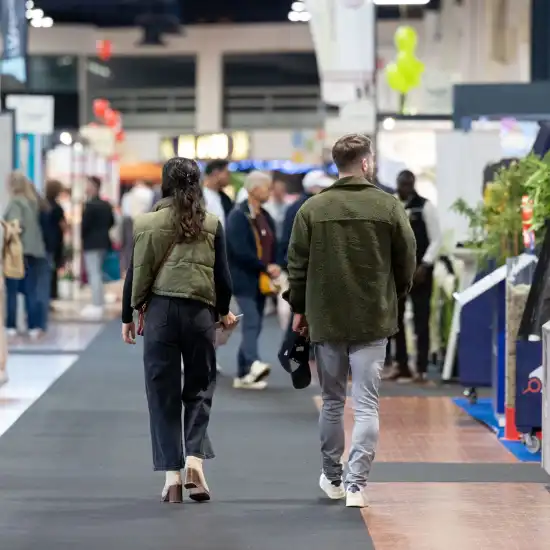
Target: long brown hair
x=21, y=186
x=181, y=182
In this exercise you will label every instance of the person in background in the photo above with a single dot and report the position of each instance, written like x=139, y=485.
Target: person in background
x=277, y=205
x=180, y=272
x=351, y=256
x=57, y=228
x=97, y=220
x=4, y=378
x=216, y=179
x=314, y=182
x=425, y=225
x=252, y=251
x=139, y=200
x=23, y=206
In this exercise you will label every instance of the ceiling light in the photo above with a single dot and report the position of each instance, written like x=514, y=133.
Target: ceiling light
x=28, y=13
x=65, y=138
x=293, y=16
x=298, y=6
x=388, y=124
x=29, y=4
x=36, y=23
x=37, y=14
x=304, y=16
x=47, y=22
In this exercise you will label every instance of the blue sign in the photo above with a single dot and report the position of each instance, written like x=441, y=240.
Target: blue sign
x=14, y=30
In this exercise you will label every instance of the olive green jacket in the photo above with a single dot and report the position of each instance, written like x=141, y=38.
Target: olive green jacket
x=352, y=253
x=187, y=269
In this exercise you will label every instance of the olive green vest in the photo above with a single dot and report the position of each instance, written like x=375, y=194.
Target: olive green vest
x=188, y=269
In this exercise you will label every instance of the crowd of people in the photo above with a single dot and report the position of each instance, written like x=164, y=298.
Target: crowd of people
x=350, y=252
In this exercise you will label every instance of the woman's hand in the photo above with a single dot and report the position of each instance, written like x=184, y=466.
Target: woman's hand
x=129, y=333
x=229, y=320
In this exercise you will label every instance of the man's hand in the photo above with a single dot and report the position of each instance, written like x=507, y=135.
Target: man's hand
x=229, y=320
x=129, y=333
x=273, y=270
x=299, y=324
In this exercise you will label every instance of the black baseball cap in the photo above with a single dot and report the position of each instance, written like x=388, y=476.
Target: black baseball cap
x=294, y=358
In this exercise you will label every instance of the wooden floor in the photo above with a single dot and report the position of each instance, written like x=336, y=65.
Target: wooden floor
x=417, y=432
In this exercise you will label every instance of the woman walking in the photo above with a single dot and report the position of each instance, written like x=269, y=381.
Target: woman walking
x=179, y=273
x=23, y=206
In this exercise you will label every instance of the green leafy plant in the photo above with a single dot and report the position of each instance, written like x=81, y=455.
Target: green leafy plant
x=496, y=224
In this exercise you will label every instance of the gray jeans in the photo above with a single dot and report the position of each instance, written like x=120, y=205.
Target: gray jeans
x=93, y=261
x=334, y=362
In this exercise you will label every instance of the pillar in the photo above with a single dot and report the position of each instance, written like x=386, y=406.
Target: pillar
x=209, y=91
x=540, y=40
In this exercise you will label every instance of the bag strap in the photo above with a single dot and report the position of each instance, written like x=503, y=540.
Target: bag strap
x=259, y=249
x=163, y=261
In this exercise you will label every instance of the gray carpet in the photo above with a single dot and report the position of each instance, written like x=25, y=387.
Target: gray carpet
x=76, y=470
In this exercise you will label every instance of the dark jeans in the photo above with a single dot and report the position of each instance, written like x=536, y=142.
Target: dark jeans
x=44, y=277
x=177, y=329
x=252, y=309
x=421, y=297
x=28, y=286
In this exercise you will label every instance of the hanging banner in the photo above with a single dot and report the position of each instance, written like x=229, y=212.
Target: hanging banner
x=343, y=34
x=14, y=30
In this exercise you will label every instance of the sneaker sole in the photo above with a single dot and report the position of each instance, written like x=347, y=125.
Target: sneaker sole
x=332, y=496
x=356, y=502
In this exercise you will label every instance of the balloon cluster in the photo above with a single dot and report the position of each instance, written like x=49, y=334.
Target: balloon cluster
x=405, y=73
x=109, y=117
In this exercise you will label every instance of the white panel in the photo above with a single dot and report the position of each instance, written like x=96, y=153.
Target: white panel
x=271, y=144
x=34, y=114
x=141, y=147
x=461, y=160
x=6, y=156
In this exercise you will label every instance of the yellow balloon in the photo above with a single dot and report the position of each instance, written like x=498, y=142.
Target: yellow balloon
x=407, y=63
x=405, y=39
x=396, y=79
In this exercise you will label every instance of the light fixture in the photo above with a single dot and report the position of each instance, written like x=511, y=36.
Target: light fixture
x=29, y=4
x=65, y=138
x=298, y=6
x=78, y=146
x=37, y=14
x=388, y=124
x=36, y=23
x=293, y=16
x=47, y=22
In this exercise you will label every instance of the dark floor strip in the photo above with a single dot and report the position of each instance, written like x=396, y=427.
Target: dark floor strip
x=76, y=469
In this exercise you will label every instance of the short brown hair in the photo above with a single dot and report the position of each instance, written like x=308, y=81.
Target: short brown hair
x=350, y=150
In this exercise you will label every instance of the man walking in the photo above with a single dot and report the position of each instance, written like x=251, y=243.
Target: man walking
x=425, y=225
x=351, y=256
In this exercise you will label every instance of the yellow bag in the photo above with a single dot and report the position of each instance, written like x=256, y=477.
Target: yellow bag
x=265, y=283
x=12, y=252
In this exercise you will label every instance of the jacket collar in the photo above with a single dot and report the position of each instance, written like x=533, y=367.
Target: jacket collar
x=162, y=204
x=350, y=182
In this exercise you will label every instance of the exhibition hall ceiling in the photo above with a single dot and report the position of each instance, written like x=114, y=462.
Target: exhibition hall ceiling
x=115, y=13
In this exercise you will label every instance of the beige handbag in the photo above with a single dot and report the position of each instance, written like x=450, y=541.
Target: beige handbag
x=12, y=253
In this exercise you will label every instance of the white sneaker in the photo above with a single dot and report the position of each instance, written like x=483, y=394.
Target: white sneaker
x=11, y=332
x=356, y=497
x=35, y=334
x=246, y=383
x=4, y=378
x=333, y=489
x=92, y=312
x=259, y=371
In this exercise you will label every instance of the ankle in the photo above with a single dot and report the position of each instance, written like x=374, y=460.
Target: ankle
x=194, y=461
x=173, y=478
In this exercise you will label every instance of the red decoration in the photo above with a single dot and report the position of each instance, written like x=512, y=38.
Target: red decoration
x=112, y=118
x=104, y=49
x=100, y=107
x=121, y=136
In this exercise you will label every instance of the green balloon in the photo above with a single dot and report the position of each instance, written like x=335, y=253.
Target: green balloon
x=405, y=39
x=396, y=79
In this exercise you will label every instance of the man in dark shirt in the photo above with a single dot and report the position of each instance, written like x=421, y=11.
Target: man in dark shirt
x=97, y=220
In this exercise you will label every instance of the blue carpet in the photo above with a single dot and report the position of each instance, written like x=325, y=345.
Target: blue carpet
x=482, y=411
